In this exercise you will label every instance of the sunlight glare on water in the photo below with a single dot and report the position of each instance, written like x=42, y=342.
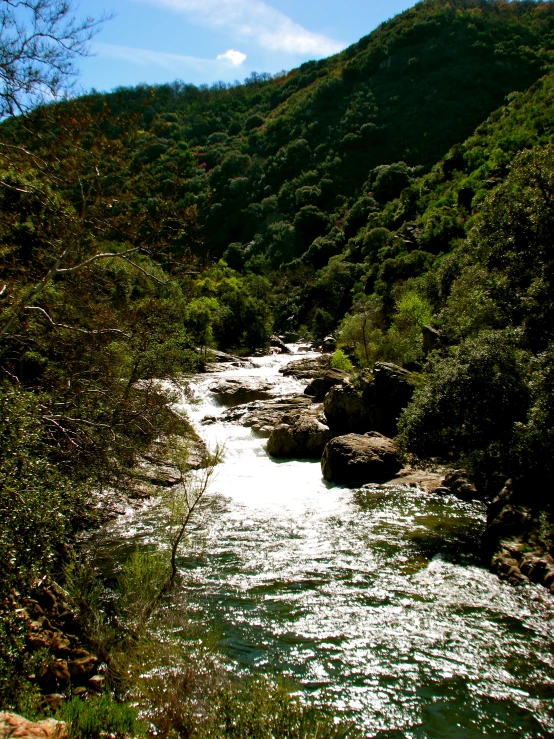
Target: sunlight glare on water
x=376, y=602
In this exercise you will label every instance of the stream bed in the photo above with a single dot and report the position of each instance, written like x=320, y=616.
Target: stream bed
x=375, y=602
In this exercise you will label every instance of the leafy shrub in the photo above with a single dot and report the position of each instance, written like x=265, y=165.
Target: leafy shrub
x=535, y=438
x=340, y=361
x=322, y=323
x=438, y=227
x=39, y=507
x=99, y=717
x=469, y=406
x=375, y=240
x=254, y=708
x=388, y=180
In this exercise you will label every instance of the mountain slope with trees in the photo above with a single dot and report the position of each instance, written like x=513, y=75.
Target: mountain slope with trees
x=405, y=182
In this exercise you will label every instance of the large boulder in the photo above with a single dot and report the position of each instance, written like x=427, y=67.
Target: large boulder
x=345, y=410
x=374, y=405
x=235, y=391
x=307, y=368
x=357, y=459
x=263, y=415
x=320, y=386
x=299, y=436
x=216, y=361
x=13, y=726
x=278, y=343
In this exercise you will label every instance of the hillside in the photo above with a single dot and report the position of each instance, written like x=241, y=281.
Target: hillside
x=402, y=185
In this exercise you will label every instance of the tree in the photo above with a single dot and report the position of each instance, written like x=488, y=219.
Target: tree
x=472, y=404
x=39, y=41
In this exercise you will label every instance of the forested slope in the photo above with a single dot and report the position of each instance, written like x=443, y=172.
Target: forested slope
x=405, y=182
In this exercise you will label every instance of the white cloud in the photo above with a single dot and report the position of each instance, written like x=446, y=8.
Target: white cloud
x=235, y=57
x=257, y=21
x=148, y=57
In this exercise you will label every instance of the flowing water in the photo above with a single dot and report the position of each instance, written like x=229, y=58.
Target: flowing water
x=375, y=601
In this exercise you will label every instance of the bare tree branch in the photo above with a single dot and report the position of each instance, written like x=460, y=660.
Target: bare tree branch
x=56, y=270
x=39, y=42
x=76, y=328
x=103, y=255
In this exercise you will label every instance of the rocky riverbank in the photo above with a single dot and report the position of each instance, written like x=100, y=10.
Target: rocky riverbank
x=517, y=540
x=350, y=423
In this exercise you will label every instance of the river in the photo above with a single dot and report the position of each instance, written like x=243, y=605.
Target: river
x=374, y=602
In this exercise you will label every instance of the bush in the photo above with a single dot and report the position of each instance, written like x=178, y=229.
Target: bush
x=469, y=407
x=536, y=436
x=99, y=717
x=388, y=180
x=340, y=361
x=39, y=507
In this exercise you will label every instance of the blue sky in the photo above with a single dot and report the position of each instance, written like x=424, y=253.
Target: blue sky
x=203, y=41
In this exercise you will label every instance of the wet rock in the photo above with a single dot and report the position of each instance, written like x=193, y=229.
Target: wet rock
x=514, y=541
x=356, y=459
x=428, y=480
x=97, y=683
x=386, y=397
x=157, y=472
x=216, y=361
x=53, y=677
x=263, y=415
x=45, y=598
x=458, y=483
x=374, y=405
x=278, y=343
x=506, y=520
x=345, y=410
x=79, y=653
x=60, y=645
x=329, y=344
x=507, y=568
x=236, y=391
x=299, y=436
x=82, y=669
x=38, y=641
x=307, y=368
x=13, y=726
x=320, y=386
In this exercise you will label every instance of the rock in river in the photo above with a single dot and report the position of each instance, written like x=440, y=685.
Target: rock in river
x=374, y=405
x=300, y=435
x=320, y=386
x=263, y=415
x=357, y=459
x=235, y=391
x=216, y=361
x=308, y=368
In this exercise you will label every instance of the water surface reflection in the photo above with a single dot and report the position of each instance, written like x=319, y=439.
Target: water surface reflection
x=375, y=601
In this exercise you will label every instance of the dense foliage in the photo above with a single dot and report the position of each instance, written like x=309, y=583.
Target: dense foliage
x=404, y=185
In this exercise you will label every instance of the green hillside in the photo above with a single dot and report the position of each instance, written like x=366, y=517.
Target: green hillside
x=404, y=183
x=276, y=163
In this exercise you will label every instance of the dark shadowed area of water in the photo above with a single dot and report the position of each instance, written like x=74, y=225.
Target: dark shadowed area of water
x=376, y=602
